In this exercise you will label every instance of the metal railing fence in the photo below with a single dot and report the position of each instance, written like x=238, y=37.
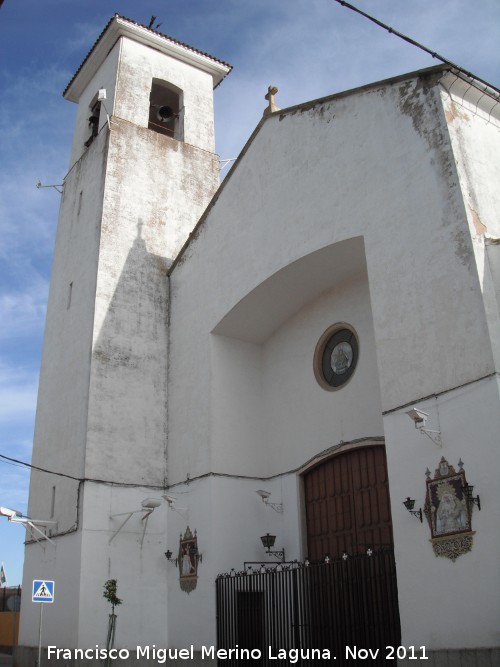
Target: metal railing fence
x=282, y=612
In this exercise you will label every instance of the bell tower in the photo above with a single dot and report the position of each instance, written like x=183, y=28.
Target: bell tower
x=142, y=171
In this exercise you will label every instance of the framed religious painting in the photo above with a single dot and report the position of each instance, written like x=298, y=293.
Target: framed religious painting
x=448, y=511
x=188, y=560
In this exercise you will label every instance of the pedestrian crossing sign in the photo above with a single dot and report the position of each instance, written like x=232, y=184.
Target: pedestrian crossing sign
x=43, y=591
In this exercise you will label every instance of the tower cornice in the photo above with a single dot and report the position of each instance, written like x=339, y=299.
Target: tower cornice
x=120, y=26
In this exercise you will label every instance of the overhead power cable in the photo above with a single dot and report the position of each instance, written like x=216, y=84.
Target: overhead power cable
x=188, y=480
x=413, y=42
x=8, y=459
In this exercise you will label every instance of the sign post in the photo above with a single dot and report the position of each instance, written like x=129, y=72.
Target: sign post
x=43, y=591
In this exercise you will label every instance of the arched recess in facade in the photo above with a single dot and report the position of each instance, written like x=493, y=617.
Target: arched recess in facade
x=262, y=365
x=265, y=308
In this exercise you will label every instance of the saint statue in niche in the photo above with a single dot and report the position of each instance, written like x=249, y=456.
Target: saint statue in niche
x=188, y=559
x=187, y=564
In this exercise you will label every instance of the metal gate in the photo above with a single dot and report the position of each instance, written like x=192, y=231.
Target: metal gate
x=309, y=614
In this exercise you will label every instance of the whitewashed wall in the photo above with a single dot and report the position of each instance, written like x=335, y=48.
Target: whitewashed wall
x=130, y=200
x=474, y=127
x=388, y=144
x=138, y=66
x=350, y=209
x=431, y=588
x=104, y=77
x=375, y=165
x=61, y=418
x=134, y=558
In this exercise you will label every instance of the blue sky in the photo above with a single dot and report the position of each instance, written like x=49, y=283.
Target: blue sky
x=308, y=48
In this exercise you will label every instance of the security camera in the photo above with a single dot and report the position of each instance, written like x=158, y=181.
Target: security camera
x=263, y=494
x=170, y=499
x=417, y=416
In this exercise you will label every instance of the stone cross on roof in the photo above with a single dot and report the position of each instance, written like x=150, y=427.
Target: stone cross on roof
x=271, y=92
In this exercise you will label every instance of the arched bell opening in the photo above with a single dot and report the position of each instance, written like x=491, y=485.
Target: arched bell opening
x=166, y=109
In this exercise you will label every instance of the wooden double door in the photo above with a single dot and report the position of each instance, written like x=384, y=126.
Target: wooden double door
x=348, y=513
x=347, y=504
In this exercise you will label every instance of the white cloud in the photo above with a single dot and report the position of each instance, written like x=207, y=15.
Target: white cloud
x=18, y=392
x=314, y=48
x=82, y=36
x=23, y=313
x=22, y=87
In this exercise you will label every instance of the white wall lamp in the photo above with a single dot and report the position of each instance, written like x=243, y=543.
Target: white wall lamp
x=101, y=96
x=268, y=542
x=419, y=418
x=277, y=507
x=409, y=503
x=16, y=517
x=147, y=507
x=59, y=187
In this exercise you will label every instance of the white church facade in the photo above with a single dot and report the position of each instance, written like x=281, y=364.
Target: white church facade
x=295, y=352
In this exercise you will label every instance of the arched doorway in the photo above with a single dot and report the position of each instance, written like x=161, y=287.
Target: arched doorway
x=347, y=504
x=347, y=600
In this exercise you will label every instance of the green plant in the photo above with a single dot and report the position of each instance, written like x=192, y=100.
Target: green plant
x=110, y=594
x=110, y=588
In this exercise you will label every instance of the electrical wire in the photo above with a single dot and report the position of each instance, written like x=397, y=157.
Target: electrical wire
x=14, y=465
x=413, y=42
x=189, y=479
x=11, y=461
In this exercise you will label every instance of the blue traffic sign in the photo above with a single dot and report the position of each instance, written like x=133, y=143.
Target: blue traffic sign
x=43, y=591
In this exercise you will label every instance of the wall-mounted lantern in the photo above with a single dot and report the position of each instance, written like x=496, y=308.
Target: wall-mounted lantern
x=168, y=556
x=268, y=542
x=468, y=490
x=409, y=503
